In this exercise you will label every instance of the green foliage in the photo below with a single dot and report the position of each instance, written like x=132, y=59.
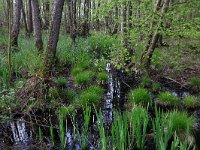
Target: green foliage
x=84, y=77
x=139, y=96
x=100, y=44
x=102, y=76
x=139, y=121
x=92, y=94
x=155, y=86
x=162, y=136
x=181, y=122
x=119, y=131
x=119, y=57
x=61, y=81
x=191, y=101
x=53, y=92
x=27, y=60
x=145, y=81
x=69, y=94
x=195, y=82
x=67, y=110
x=169, y=99
x=76, y=70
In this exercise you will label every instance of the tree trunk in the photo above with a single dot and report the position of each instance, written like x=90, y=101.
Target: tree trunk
x=148, y=55
x=46, y=8
x=53, y=37
x=24, y=18
x=29, y=18
x=16, y=22
x=37, y=27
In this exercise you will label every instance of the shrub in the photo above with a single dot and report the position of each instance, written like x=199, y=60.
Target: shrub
x=169, y=99
x=190, y=101
x=61, y=81
x=91, y=95
x=139, y=96
x=181, y=122
x=102, y=76
x=83, y=77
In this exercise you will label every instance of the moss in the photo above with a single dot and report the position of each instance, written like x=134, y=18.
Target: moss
x=139, y=96
x=169, y=99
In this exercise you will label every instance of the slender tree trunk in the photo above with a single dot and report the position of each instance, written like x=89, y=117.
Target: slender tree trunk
x=148, y=55
x=29, y=18
x=9, y=3
x=24, y=18
x=46, y=7
x=53, y=37
x=37, y=27
x=17, y=6
x=116, y=26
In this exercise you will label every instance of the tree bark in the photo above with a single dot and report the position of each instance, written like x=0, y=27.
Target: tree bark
x=24, y=18
x=29, y=18
x=17, y=6
x=148, y=55
x=53, y=37
x=37, y=27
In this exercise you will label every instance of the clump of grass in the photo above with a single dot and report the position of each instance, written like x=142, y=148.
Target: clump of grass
x=69, y=94
x=76, y=71
x=67, y=110
x=190, y=101
x=102, y=76
x=182, y=123
x=145, y=81
x=155, y=86
x=61, y=81
x=83, y=77
x=195, y=82
x=53, y=92
x=139, y=96
x=91, y=95
x=169, y=99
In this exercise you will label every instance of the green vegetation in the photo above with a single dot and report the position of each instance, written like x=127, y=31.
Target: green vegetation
x=84, y=77
x=190, y=101
x=195, y=82
x=139, y=96
x=182, y=123
x=168, y=98
x=92, y=95
x=61, y=81
x=102, y=76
